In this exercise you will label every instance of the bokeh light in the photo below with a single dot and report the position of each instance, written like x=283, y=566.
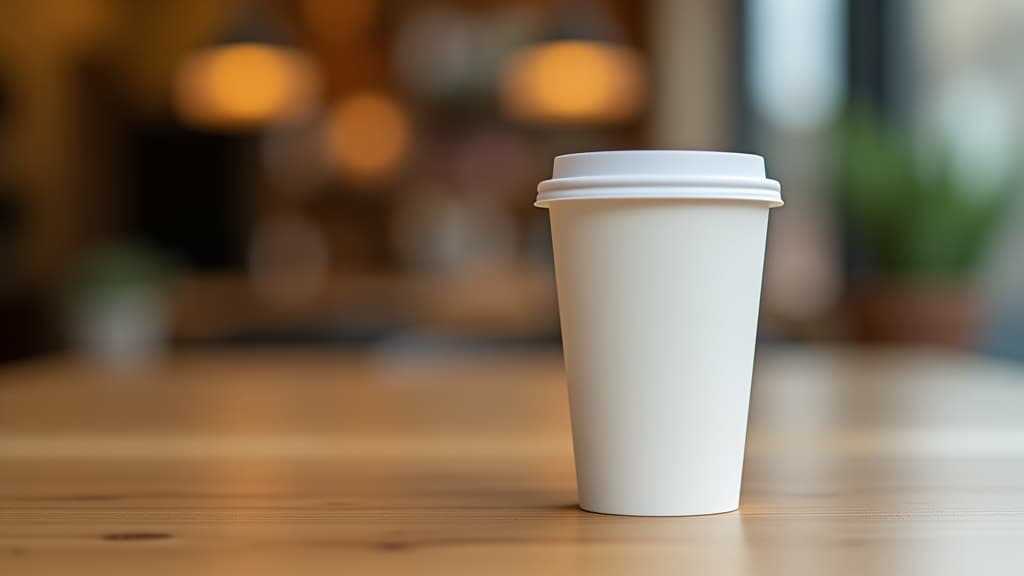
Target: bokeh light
x=573, y=81
x=244, y=85
x=367, y=136
x=433, y=52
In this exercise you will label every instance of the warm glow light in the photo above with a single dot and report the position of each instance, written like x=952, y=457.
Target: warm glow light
x=242, y=85
x=367, y=135
x=573, y=81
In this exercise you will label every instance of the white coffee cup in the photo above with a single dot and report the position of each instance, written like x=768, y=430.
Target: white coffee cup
x=658, y=261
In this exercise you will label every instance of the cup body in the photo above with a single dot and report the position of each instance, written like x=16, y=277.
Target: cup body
x=658, y=296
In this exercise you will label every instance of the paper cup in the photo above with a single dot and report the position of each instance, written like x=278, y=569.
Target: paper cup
x=658, y=260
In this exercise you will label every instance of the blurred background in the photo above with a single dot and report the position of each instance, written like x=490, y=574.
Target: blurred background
x=189, y=173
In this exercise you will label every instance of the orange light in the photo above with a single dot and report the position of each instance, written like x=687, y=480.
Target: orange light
x=573, y=81
x=367, y=135
x=244, y=85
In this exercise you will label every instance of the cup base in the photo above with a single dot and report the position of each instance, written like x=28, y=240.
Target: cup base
x=658, y=514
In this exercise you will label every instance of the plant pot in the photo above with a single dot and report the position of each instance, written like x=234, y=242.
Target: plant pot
x=943, y=312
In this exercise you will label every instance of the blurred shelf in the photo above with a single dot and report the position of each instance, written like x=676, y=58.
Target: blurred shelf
x=515, y=304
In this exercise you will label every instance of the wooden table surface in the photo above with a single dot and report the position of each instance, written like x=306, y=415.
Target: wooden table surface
x=269, y=461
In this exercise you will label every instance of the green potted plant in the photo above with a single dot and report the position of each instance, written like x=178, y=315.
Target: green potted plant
x=922, y=230
x=119, y=308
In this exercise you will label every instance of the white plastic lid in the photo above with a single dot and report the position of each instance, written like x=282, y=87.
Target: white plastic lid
x=647, y=174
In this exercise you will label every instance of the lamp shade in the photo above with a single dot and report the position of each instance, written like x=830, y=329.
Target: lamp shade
x=245, y=85
x=572, y=81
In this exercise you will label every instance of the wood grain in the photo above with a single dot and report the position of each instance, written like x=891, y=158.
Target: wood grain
x=263, y=462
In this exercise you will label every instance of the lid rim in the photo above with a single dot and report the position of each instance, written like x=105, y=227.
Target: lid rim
x=721, y=194
x=658, y=180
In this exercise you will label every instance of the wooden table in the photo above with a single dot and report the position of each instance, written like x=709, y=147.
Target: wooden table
x=267, y=461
